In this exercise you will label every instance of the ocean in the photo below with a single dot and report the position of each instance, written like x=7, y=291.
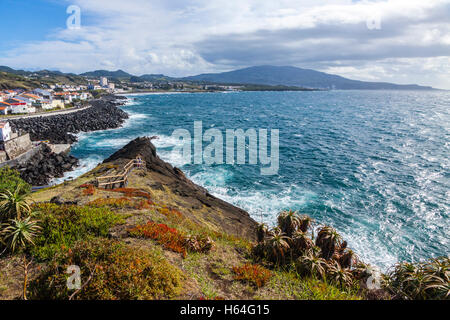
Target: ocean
x=372, y=164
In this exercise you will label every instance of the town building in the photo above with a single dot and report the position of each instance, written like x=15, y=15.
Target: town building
x=104, y=82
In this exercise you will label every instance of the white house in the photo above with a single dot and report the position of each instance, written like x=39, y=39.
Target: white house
x=43, y=93
x=17, y=106
x=104, y=82
x=4, y=108
x=5, y=131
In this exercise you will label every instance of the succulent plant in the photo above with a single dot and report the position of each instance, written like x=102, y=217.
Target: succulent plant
x=289, y=221
x=277, y=246
x=327, y=240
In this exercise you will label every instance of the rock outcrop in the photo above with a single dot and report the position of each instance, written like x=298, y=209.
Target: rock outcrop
x=46, y=165
x=228, y=217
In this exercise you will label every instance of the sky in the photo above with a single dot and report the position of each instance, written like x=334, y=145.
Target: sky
x=400, y=41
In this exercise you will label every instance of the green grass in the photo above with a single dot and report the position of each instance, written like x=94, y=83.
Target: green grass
x=110, y=270
x=64, y=225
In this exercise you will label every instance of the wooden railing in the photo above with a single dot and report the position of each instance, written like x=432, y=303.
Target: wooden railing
x=120, y=179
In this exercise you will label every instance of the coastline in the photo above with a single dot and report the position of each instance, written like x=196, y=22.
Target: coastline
x=45, y=168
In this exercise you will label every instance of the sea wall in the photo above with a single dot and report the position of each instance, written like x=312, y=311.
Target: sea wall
x=17, y=146
x=60, y=129
x=42, y=164
x=45, y=165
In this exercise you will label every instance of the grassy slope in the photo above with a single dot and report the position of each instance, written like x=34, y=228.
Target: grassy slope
x=207, y=276
x=13, y=81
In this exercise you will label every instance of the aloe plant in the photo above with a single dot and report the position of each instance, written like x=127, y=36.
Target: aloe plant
x=261, y=232
x=311, y=264
x=300, y=242
x=289, y=221
x=277, y=246
x=305, y=223
x=338, y=275
x=327, y=240
x=13, y=205
x=346, y=258
x=19, y=233
x=413, y=281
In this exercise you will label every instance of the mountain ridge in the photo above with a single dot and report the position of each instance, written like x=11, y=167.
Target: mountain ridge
x=266, y=75
x=293, y=76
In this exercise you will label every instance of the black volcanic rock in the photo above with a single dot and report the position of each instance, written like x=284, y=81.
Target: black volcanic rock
x=59, y=129
x=46, y=165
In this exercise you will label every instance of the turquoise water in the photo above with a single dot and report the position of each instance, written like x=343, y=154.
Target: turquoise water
x=375, y=165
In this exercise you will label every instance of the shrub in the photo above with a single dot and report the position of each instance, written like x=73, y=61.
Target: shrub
x=10, y=180
x=169, y=238
x=13, y=205
x=261, y=232
x=421, y=281
x=18, y=234
x=109, y=271
x=288, y=222
x=121, y=203
x=327, y=240
x=64, y=225
x=253, y=274
x=201, y=243
x=89, y=190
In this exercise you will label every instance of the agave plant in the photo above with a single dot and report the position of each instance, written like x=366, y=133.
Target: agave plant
x=13, y=205
x=261, y=232
x=300, y=242
x=311, y=264
x=346, y=258
x=338, y=275
x=421, y=280
x=305, y=223
x=19, y=233
x=277, y=246
x=289, y=222
x=327, y=240
x=259, y=251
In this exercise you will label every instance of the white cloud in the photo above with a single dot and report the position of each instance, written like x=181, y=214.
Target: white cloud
x=194, y=36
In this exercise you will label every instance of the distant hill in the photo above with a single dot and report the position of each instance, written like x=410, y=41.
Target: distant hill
x=119, y=74
x=156, y=77
x=281, y=77
x=11, y=79
x=292, y=76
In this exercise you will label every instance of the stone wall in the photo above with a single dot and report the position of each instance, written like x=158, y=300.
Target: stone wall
x=16, y=147
x=3, y=156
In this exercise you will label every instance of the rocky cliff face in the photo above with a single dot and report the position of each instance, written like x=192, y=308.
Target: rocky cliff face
x=163, y=175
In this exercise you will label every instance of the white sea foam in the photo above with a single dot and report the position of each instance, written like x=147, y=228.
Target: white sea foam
x=85, y=165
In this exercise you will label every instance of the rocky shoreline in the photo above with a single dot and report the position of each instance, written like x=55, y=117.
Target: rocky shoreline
x=46, y=165
x=61, y=129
